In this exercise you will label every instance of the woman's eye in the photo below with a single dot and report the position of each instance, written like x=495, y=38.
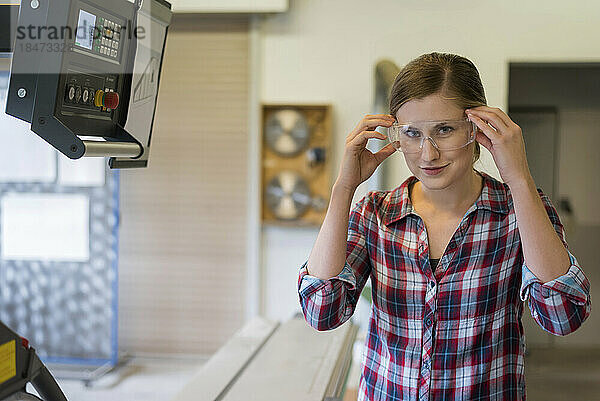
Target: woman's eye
x=412, y=133
x=446, y=130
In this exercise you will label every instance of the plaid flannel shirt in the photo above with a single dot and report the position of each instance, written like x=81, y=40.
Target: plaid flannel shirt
x=452, y=334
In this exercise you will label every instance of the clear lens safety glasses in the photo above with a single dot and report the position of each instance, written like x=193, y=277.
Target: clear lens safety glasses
x=443, y=134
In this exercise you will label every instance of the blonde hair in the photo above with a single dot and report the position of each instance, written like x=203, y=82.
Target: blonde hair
x=454, y=77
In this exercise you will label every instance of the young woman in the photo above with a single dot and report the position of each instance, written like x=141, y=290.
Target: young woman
x=452, y=253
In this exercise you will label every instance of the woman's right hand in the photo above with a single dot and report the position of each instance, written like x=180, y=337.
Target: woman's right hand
x=359, y=163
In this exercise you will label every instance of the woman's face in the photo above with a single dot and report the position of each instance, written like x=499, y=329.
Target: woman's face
x=456, y=163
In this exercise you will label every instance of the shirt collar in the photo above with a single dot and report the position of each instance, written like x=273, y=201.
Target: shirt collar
x=493, y=197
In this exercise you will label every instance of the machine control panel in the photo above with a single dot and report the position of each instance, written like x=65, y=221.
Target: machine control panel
x=88, y=93
x=99, y=81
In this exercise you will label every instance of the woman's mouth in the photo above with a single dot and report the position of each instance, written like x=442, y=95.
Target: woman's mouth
x=433, y=170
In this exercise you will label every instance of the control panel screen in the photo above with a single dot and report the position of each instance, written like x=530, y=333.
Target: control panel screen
x=85, y=30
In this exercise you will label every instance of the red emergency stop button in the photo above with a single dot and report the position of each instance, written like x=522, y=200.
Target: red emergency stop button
x=111, y=100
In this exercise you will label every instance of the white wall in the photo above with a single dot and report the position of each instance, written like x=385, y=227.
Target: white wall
x=325, y=52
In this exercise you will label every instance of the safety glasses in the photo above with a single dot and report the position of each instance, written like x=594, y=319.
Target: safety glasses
x=443, y=134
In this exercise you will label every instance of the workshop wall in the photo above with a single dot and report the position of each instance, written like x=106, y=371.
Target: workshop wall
x=183, y=231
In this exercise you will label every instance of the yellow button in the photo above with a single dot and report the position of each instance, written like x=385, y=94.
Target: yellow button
x=99, y=98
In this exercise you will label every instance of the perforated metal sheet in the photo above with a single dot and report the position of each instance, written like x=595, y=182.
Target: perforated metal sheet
x=68, y=310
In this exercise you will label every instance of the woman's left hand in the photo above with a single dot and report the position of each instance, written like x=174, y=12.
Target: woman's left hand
x=504, y=140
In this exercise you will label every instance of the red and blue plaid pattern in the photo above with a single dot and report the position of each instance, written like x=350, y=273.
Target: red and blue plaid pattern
x=452, y=334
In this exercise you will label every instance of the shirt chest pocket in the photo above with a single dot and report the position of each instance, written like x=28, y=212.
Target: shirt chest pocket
x=480, y=289
x=468, y=336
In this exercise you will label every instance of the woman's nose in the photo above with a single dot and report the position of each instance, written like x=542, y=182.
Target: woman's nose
x=428, y=151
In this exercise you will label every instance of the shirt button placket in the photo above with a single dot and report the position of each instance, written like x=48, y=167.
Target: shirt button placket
x=430, y=295
x=426, y=358
x=425, y=379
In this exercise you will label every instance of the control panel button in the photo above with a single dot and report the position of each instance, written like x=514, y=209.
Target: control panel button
x=111, y=100
x=77, y=94
x=98, y=98
x=70, y=93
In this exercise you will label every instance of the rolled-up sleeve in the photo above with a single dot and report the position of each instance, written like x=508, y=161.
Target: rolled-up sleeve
x=327, y=304
x=561, y=305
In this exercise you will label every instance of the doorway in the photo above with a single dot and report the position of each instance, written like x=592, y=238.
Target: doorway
x=557, y=105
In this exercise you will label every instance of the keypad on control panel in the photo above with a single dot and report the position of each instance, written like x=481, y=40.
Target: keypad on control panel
x=110, y=39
